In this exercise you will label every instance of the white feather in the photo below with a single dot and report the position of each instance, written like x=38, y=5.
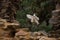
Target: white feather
x=32, y=20
x=35, y=17
x=36, y=21
x=29, y=16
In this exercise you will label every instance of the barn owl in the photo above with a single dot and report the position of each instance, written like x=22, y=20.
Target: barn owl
x=33, y=18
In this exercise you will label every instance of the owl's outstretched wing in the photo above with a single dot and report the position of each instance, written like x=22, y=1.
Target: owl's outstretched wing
x=29, y=16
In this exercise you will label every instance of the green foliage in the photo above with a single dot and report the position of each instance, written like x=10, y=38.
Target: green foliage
x=30, y=7
x=43, y=26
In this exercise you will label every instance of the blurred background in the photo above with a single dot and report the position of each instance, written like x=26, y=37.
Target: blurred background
x=42, y=8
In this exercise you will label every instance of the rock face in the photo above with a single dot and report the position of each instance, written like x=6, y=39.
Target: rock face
x=8, y=21
x=55, y=21
x=8, y=9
